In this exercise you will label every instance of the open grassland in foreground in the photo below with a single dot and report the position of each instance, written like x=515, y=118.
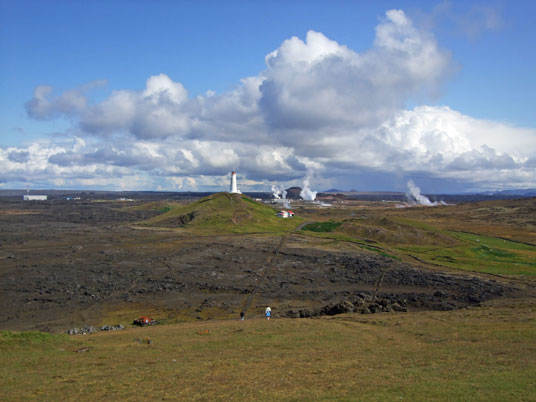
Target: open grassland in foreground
x=478, y=354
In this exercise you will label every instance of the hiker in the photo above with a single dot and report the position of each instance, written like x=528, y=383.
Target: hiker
x=242, y=316
x=268, y=312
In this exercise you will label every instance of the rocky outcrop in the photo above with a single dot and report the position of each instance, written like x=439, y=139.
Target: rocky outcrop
x=364, y=304
x=92, y=329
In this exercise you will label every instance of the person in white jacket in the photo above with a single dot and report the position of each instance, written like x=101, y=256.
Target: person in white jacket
x=268, y=312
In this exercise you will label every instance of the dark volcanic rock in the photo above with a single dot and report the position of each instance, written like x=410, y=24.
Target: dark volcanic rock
x=71, y=259
x=339, y=308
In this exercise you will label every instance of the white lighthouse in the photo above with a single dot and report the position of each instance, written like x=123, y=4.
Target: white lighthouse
x=234, y=188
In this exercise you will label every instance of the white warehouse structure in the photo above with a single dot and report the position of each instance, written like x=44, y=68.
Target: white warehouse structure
x=28, y=197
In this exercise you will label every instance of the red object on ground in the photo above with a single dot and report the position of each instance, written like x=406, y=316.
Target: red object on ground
x=143, y=320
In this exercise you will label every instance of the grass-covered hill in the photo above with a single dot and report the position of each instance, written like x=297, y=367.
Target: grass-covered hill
x=394, y=231
x=224, y=213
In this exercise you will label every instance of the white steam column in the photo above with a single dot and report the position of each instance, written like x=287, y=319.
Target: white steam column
x=234, y=188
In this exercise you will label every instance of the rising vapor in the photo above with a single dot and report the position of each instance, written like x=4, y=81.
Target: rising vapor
x=415, y=197
x=307, y=193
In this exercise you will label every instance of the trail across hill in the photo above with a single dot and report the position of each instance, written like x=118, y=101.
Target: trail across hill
x=271, y=262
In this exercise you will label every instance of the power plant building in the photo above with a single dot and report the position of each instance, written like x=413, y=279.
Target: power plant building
x=28, y=197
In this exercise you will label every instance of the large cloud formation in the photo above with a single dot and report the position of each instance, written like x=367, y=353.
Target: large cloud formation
x=317, y=107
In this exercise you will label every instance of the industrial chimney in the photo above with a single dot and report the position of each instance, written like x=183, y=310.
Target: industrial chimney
x=234, y=188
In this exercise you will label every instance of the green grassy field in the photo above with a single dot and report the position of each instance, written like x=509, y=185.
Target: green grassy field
x=423, y=234
x=399, y=237
x=479, y=354
x=482, y=254
x=322, y=226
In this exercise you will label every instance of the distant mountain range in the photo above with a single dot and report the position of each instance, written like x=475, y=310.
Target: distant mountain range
x=334, y=190
x=527, y=192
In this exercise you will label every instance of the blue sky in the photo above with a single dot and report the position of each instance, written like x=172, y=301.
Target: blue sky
x=442, y=93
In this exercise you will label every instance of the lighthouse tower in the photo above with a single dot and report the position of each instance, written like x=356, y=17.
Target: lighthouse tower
x=234, y=188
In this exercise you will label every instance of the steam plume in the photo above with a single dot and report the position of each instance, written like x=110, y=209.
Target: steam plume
x=279, y=192
x=307, y=193
x=414, y=196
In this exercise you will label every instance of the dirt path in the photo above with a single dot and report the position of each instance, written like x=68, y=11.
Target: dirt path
x=271, y=262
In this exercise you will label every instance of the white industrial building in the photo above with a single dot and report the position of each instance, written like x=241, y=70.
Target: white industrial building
x=28, y=197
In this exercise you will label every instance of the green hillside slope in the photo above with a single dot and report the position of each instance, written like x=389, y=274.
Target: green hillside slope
x=225, y=213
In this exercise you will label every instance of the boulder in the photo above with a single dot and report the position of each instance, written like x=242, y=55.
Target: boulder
x=339, y=308
x=398, y=308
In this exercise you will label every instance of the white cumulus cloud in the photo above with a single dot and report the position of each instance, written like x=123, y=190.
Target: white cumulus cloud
x=318, y=106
